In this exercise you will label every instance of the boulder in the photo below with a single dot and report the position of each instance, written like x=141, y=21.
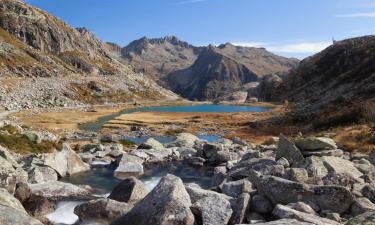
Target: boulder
x=11, y=174
x=302, y=207
x=66, y=162
x=236, y=188
x=130, y=190
x=22, y=192
x=362, y=205
x=156, y=156
x=315, y=143
x=59, y=191
x=284, y=222
x=103, y=211
x=9, y=200
x=168, y=203
x=220, y=173
x=368, y=191
x=253, y=217
x=40, y=174
x=297, y=174
x=39, y=206
x=284, y=162
x=186, y=152
x=12, y=216
x=288, y=150
x=244, y=167
x=129, y=165
x=151, y=143
x=337, y=165
x=183, y=140
x=212, y=210
x=284, y=212
x=260, y=204
x=321, y=153
x=372, y=157
x=337, y=199
x=240, y=208
x=367, y=218
x=196, y=193
x=314, y=166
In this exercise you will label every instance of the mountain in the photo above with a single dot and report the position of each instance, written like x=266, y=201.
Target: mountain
x=221, y=70
x=158, y=57
x=35, y=44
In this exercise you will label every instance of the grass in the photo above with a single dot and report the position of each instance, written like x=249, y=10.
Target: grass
x=21, y=144
x=10, y=129
x=127, y=143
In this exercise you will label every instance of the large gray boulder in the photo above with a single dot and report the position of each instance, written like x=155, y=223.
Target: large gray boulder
x=151, y=143
x=288, y=150
x=66, y=162
x=284, y=212
x=284, y=222
x=58, y=191
x=102, y=211
x=129, y=165
x=243, y=169
x=362, y=205
x=236, y=188
x=260, y=204
x=337, y=165
x=12, y=216
x=196, y=193
x=130, y=190
x=315, y=143
x=314, y=166
x=183, y=140
x=41, y=174
x=240, y=208
x=368, y=191
x=367, y=218
x=212, y=210
x=9, y=200
x=168, y=203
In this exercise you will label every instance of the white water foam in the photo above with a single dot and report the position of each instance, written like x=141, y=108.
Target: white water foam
x=64, y=213
x=151, y=182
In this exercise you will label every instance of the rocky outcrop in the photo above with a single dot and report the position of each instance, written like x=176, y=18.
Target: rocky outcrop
x=58, y=191
x=11, y=216
x=167, y=203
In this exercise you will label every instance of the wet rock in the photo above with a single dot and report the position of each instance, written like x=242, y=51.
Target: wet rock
x=362, y=205
x=129, y=165
x=11, y=216
x=130, y=190
x=260, y=204
x=212, y=210
x=236, y=188
x=240, y=208
x=341, y=166
x=103, y=211
x=58, y=191
x=151, y=143
x=65, y=162
x=288, y=150
x=315, y=143
x=367, y=218
x=284, y=212
x=40, y=174
x=167, y=203
x=183, y=140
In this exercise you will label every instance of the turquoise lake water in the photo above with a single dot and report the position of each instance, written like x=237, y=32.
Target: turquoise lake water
x=96, y=126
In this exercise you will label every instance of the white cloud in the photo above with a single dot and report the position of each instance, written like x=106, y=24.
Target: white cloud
x=355, y=15
x=302, y=47
x=189, y=2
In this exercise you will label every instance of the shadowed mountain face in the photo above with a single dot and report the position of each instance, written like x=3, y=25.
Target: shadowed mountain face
x=160, y=56
x=221, y=70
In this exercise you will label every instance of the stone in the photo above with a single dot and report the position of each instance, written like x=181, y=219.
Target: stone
x=372, y=157
x=260, y=204
x=151, y=143
x=297, y=174
x=66, y=162
x=244, y=167
x=315, y=143
x=38, y=206
x=186, y=152
x=40, y=174
x=196, y=193
x=12, y=216
x=314, y=166
x=368, y=191
x=253, y=217
x=196, y=161
x=334, y=198
x=284, y=162
x=236, y=188
x=59, y=191
x=103, y=211
x=9, y=200
x=168, y=203
x=183, y=140
x=131, y=190
x=22, y=192
x=362, y=205
x=284, y=212
x=302, y=207
x=33, y=136
x=282, y=222
x=240, y=207
x=321, y=153
x=239, y=141
x=220, y=173
x=216, y=154
x=341, y=166
x=212, y=210
x=11, y=174
x=156, y=156
x=129, y=165
x=288, y=150
x=367, y=218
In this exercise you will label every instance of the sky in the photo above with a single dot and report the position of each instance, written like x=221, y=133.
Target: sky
x=292, y=28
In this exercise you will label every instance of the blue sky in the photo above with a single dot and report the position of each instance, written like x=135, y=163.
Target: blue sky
x=293, y=28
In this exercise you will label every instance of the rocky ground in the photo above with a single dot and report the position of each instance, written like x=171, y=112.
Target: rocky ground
x=304, y=180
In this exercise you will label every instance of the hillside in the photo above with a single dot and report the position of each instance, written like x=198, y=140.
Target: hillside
x=218, y=71
x=35, y=44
